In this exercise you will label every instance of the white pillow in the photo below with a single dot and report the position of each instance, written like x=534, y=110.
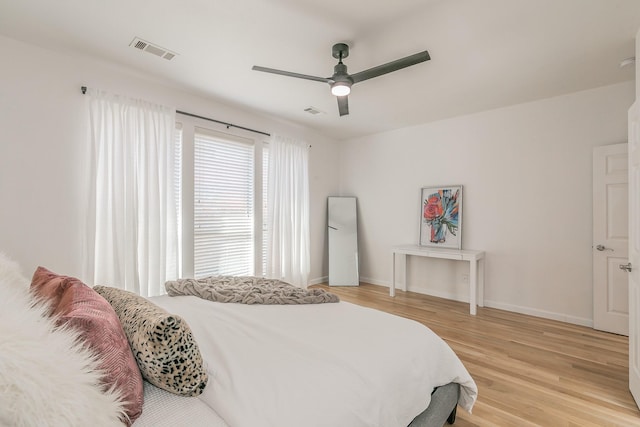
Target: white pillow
x=47, y=378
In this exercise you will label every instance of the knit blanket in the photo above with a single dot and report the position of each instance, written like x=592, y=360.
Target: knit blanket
x=248, y=290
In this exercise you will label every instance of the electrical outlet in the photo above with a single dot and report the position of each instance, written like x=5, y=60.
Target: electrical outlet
x=465, y=278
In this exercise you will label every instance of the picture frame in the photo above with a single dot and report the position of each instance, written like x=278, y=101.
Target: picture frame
x=441, y=216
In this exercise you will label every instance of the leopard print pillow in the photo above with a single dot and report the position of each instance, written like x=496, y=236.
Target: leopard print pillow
x=162, y=343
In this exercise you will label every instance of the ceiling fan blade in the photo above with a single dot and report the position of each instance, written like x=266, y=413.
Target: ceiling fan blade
x=290, y=74
x=343, y=105
x=398, y=64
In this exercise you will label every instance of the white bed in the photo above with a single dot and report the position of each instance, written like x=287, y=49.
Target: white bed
x=165, y=409
x=319, y=365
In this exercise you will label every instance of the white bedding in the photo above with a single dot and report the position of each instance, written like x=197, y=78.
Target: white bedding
x=338, y=365
x=162, y=408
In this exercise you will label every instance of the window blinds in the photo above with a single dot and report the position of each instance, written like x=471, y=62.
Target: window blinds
x=177, y=193
x=223, y=206
x=265, y=210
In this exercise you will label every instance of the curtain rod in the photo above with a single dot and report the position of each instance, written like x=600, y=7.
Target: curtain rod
x=228, y=125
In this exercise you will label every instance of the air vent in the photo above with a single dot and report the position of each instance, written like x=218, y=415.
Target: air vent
x=313, y=110
x=143, y=45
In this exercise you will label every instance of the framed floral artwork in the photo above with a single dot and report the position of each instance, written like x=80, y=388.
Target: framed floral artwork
x=441, y=216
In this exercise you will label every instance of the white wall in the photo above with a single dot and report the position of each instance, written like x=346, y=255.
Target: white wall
x=526, y=172
x=43, y=132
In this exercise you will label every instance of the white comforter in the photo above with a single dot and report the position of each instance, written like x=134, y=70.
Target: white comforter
x=338, y=365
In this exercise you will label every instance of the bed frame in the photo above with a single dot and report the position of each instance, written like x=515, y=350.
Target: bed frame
x=444, y=402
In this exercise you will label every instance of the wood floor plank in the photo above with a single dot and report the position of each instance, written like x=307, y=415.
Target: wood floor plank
x=530, y=371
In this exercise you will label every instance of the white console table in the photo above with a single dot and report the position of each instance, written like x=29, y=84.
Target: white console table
x=476, y=268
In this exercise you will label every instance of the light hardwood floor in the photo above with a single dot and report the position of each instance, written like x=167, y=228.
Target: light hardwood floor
x=529, y=371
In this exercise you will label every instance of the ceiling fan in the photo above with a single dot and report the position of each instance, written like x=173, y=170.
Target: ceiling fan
x=341, y=81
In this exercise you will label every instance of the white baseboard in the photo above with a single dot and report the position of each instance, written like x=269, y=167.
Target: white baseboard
x=323, y=279
x=540, y=313
x=495, y=304
x=487, y=303
x=441, y=294
x=374, y=281
x=515, y=308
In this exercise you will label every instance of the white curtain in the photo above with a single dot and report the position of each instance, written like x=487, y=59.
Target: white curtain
x=288, y=206
x=132, y=234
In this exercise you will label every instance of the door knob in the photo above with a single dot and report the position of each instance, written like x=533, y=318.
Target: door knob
x=626, y=266
x=603, y=248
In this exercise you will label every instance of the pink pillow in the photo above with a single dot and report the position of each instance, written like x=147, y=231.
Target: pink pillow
x=77, y=305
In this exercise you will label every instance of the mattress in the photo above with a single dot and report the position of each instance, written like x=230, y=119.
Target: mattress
x=162, y=408
x=317, y=365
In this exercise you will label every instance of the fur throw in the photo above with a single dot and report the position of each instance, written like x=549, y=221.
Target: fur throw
x=47, y=377
x=11, y=273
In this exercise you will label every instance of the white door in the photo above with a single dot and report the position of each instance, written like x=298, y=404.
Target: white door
x=634, y=251
x=610, y=238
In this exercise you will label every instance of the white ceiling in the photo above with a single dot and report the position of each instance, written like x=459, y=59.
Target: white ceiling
x=484, y=54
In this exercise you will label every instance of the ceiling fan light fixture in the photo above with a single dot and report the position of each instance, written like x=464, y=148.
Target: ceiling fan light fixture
x=341, y=88
x=341, y=81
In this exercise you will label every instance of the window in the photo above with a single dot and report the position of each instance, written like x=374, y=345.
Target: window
x=225, y=209
x=224, y=201
x=177, y=193
x=265, y=198
x=223, y=205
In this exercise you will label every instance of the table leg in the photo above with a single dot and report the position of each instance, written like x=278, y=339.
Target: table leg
x=403, y=271
x=473, y=285
x=392, y=288
x=481, y=282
